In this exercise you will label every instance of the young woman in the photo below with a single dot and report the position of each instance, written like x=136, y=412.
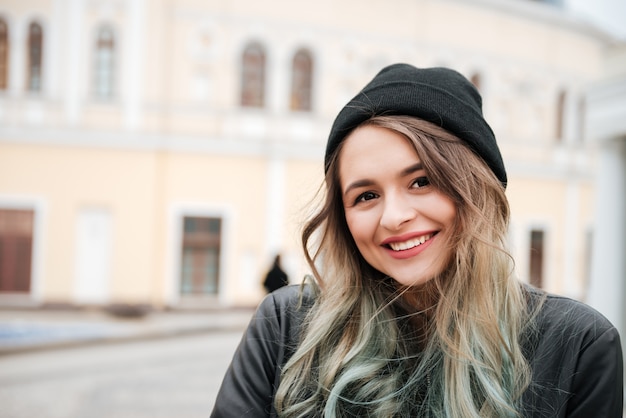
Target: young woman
x=414, y=310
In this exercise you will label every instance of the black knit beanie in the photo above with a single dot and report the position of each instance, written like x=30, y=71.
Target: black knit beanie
x=438, y=95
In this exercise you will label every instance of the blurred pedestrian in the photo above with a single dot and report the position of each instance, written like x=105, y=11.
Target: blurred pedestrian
x=275, y=277
x=414, y=310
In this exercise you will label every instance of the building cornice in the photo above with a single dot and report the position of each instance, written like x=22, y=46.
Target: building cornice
x=606, y=110
x=546, y=13
x=153, y=142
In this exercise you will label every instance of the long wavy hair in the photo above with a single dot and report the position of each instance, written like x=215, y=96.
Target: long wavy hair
x=451, y=349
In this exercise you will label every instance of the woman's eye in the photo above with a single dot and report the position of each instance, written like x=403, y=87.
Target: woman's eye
x=420, y=182
x=364, y=197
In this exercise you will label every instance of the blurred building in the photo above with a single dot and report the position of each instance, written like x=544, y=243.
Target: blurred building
x=162, y=152
x=606, y=127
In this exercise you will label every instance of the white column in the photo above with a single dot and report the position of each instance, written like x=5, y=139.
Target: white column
x=607, y=291
x=52, y=62
x=275, y=217
x=73, y=63
x=249, y=275
x=17, y=59
x=571, y=280
x=134, y=56
x=278, y=80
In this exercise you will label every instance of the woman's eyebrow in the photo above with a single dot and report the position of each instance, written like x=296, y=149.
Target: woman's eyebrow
x=412, y=169
x=357, y=184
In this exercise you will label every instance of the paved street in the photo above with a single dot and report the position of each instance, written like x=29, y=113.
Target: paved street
x=169, y=377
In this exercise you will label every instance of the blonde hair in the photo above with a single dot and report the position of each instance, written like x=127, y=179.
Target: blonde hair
x=367, y=351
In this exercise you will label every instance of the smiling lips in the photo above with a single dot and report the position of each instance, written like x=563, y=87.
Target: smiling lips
x=402, y=248
x=407, y=245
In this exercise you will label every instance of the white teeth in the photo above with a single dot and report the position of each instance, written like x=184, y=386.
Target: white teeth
x=401, y=246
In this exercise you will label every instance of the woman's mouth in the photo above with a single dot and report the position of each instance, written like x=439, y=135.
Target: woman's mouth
x=410, y=243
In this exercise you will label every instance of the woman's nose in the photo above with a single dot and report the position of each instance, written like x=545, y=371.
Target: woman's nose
x=397, y=211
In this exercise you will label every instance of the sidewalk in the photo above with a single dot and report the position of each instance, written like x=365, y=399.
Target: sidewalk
x=24, y=330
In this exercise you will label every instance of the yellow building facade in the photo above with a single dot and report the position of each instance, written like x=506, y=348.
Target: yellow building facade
x=162, y=152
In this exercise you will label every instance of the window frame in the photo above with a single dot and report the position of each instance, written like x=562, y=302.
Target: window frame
x=110, y=71
x=302, y=71
x=253, y=75
x=5, y=53
x=34, y=57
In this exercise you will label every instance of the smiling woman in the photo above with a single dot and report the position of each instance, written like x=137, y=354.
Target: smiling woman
x=414, y=309
x=392, y=211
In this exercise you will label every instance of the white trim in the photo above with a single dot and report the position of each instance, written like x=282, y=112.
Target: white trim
x=606, y=107
x=17, y=53
x=572, y=276
x=133, y=57
x=608, y=267
x=74, y=60
x=277, y=77
x=215, y=145
x=39, y=208
x=176, y=212
x=54, y=49
x=587, y=254
x=275, y=203
x=547, y=14
x=552, y=170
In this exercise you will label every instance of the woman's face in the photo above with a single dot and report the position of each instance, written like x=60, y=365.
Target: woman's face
x=401, y=225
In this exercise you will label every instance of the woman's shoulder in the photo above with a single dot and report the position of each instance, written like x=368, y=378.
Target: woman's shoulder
x=291, y=298
x=576, y=359
x=286, y=308
x=294, y=293
x=563, y=316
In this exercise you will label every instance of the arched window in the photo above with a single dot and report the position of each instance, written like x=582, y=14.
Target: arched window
x=301, y=80
x=4, y=54
x=560, y=115
x=104, y=63
x=253, y=76
x=35, y=47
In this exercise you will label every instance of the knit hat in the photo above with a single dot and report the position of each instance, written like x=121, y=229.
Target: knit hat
x=438, y=95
